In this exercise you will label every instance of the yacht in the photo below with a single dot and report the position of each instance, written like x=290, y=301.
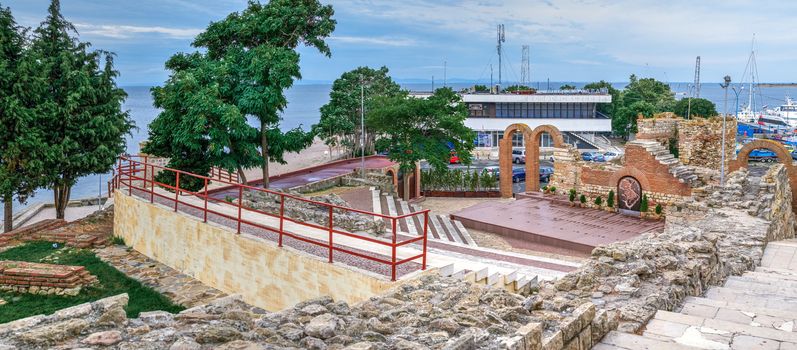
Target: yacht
x=785, y=113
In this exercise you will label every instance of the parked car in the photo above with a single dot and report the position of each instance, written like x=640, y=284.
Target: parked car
x=794, y=155
x=492, y=169
x=518, y=175
x=763, y=155
x=597, y=157
x=454, y=159
x=545, y=173
x=587, y=156
x=610, y=156
x=518, y=156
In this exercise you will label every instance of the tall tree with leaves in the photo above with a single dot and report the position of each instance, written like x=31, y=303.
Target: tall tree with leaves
x=695, y=107
x=76, y=103
x=20, y=165
x=414, y=129
x=340, y=123
x=259, y=45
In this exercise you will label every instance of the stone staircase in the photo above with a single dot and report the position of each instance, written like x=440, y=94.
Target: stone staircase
x=683, y=173
x=30, y=232
x=440, y=227
x=757, y=310
x=515, y=281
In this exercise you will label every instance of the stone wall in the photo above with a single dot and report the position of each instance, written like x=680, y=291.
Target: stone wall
x=662, y=127
x=265, y=275
x=43, y=279
x=723, y=232
x=700, y=141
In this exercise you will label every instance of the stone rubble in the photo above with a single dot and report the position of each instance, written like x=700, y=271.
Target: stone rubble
x=315, y=213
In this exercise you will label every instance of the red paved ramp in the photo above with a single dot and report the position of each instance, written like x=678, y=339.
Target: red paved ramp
x=531, y=221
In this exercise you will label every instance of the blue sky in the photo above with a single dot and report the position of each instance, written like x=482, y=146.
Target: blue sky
x=571, y=40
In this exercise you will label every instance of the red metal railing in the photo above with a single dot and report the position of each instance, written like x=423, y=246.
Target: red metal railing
x=223, y=175
x=138, y=176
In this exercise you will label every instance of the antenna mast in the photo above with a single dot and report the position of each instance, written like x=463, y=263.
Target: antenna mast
x=525, y=72
x=500, y=50
x=697, y=77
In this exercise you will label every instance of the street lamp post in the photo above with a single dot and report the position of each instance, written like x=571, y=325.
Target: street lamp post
x=737, y=99
x=362, y=128
x=725, y=86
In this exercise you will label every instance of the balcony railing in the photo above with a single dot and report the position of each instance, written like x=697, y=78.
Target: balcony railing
x=136, y=177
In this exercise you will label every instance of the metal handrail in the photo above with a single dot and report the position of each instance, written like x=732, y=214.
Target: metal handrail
x=127, y=172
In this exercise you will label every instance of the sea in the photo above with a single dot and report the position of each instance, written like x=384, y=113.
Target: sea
x=304, y=101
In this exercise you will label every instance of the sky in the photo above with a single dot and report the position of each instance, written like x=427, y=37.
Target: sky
x=570, y=40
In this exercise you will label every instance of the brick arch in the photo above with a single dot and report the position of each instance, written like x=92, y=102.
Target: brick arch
x=531, y=139
x=632, y=172
x=743, y=157
x=392, y=173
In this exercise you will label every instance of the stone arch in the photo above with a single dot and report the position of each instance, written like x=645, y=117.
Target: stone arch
x=743, y=157
x=632, y=172
x=393, y=176
x=531, y=139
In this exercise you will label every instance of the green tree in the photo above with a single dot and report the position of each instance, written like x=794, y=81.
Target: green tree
x=76, y=103
x=340, y=117
x=651, y=91
x=413, y=129
x=514, y=88
x=700, y=107
x=20, y=164
x=480, y=88
x=624, y=121
x=608, y=109
x=259, y=46
x=567, y=87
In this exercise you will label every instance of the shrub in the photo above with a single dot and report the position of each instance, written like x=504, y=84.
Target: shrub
x=658, y=209
x=572, y=195
x=582, y=199
x=229, y=199
x=118, y=240
x=598, y=201
x=643, y=207
x=545, y=188
x=553, y=189
x=610, y=199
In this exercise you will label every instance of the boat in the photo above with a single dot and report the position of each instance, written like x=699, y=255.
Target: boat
x=785, y=113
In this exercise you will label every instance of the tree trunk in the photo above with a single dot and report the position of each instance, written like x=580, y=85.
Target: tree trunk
x=61, y=198
x=264, y=152
x=242, y=176
x=8, y=211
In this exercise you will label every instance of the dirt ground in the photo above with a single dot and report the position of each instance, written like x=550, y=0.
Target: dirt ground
x=446, y=206
x=317, y=153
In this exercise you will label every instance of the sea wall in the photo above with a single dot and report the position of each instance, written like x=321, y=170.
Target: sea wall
x=265, y=275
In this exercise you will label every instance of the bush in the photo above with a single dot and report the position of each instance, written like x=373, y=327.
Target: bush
x=553, y=189
x=118, y=240
x=229, y=199
x=658, y=209
x=610, y=199
x=457, y=180
x=572, y=195
x=643, y=207
x=545, y=188
x=582, y=199
x=598, y=201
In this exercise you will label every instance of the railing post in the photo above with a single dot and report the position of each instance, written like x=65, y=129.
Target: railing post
x=425, y=228
x=176, y=190
x=130, y=179
x=145, y=174
x=330, y=233
x=282, y=217
x=205, y=219
x=152, y=187
x=240, y=205
x=393, y=265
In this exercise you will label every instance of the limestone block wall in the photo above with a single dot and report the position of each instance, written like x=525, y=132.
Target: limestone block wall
x=700, y=141
x=662, y=127
x=265, y=275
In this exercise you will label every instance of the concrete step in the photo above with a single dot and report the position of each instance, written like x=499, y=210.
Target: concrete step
x=766, y=300
x=709, y=308
x=449, y=227
x=709, y=332
x=775, y=273
x=410, y=221
x=620, y=340
x=464, y=232
x=767, y=279
x=760, y=287
x=745, y=316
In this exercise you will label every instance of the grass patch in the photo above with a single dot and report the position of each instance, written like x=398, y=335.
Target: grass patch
x=112, y=282
x=118, y=240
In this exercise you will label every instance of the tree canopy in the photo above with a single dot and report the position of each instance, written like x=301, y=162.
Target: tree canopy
x=72, y=94
x=645, y=96
x=514, y=88
x=695, y=107
x=20, y=141
x=412, y=129
x=250, y=58
x=567, y=87
x=339, y=125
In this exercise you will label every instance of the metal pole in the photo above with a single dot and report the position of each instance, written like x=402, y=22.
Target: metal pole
x=240, y=205
x=425, y=228
x=177, y=191
x=330, y=234
x=282, y=217
x=393, y=265
x=362, y=127
x=206, y=200
x=724, y=118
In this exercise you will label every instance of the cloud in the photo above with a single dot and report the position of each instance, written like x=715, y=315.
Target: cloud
x=126, y=31
x=380, y=41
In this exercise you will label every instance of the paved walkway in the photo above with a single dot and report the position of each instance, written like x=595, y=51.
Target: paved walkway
x=757, y=310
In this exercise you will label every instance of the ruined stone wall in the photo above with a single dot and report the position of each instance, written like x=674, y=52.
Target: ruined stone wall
x=700, y=141
x=720, y=234
x=662, y=127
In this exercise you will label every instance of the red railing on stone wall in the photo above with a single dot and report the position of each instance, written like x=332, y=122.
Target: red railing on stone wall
x=136, y=177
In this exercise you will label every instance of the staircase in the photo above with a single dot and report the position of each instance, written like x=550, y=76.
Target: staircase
x=757, y=310
x=439, y=227
x=514, y=281
x=31, y=232
x=683, y=173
